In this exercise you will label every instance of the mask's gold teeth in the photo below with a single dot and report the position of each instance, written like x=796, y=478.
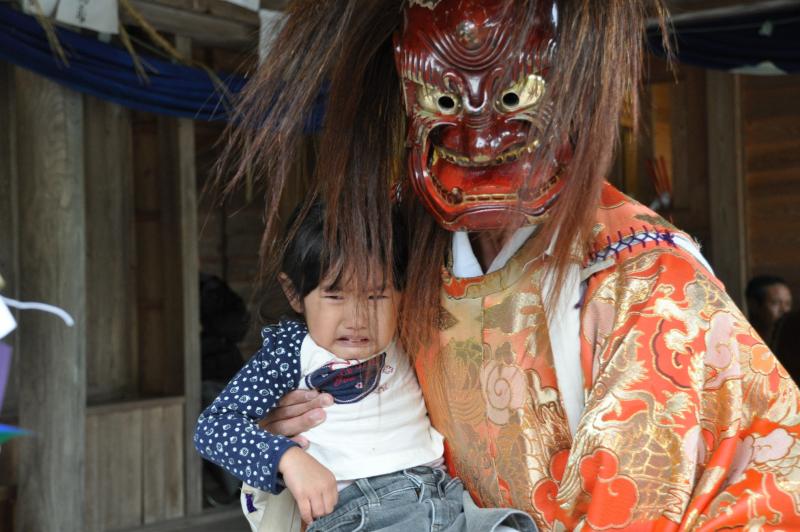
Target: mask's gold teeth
x=479, y=161
x=455, y=196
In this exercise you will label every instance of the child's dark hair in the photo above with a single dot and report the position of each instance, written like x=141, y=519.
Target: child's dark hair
x=306, y=261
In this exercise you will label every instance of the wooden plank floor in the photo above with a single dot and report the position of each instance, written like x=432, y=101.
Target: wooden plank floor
x=228, y=520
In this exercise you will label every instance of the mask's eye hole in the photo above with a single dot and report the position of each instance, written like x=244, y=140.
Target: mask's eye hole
x=436, y=101
x=523, y=94
x=446, y=103
x=510, y=100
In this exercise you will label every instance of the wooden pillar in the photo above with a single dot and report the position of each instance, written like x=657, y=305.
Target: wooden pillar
x=726, y=182
x=110, y=345
x=189, y=271
x=52, y=261
x=690, y=155
x=9, y=211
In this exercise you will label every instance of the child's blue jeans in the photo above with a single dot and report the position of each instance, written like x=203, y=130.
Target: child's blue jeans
x=420, y=499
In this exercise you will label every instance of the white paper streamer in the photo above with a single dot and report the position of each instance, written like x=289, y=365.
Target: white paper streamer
x=7, y=322
x=44, y=307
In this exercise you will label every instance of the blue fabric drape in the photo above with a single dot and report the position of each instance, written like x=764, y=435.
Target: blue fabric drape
x=107, y=72
x=738, y=42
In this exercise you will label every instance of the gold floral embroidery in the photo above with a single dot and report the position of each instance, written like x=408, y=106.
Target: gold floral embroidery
x=689, y=422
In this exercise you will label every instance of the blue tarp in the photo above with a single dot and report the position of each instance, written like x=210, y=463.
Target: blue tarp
x=106, y=71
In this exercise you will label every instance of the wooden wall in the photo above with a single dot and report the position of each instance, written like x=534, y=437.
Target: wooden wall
x=134, y=463
x=141, y=315
x=160, y=371
x=771, y=117
x=672, y=125
x=111, y=346
x=690, y=154
x=735, y=168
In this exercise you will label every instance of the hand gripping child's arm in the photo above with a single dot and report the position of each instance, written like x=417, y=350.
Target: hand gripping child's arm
x=227, y=431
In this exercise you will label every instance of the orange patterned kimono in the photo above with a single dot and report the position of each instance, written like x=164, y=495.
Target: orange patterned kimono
x=689, y=422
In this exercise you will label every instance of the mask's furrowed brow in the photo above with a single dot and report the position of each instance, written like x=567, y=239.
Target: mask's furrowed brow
x=421, y=68
x=525, y=65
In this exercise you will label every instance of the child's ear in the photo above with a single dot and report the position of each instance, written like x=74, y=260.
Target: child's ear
x=291, y=294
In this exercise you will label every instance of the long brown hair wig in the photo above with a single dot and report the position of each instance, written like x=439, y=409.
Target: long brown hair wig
x=343, y=48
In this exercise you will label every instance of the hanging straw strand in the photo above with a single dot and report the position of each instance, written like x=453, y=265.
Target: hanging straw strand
x=50, y=32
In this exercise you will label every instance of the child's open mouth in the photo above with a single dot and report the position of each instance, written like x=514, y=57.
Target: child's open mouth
x=355, y=341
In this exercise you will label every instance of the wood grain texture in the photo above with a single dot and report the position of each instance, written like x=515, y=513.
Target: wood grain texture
x=9, y=215
x=726, y=182
x=771, y=114
x=115, y=487
x=168, y=298
x=134, y=463
x=690, y=155
x=211, y=29
x=189, y=274
x=158, y=359
x=52, y=363
x=93, y=476
x=163, y=475
x=111, y=368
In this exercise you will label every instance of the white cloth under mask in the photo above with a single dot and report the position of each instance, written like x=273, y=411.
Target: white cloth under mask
x=465, y=263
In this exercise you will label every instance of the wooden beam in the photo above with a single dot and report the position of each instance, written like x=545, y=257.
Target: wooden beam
x=203, y=28
x=695, y=12
x=726, y=181
x=213, y=519
x=216, y=8
x=689, y=154
x=111, y=371
x=52, y=259
x=190, y=302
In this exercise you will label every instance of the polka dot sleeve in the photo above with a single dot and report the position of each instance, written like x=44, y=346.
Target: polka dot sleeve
x=227, y=432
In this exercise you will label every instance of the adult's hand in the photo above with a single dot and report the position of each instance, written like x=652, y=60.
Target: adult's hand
x=297, y=412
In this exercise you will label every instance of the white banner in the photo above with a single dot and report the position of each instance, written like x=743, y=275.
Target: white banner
x=98, y=15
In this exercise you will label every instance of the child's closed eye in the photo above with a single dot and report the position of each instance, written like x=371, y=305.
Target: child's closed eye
x=334, y=296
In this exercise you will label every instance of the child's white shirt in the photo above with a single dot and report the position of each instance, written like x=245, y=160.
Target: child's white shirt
x=388, y=430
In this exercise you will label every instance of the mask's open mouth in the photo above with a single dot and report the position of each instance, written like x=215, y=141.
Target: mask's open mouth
x=461, y=179
x=508, y=156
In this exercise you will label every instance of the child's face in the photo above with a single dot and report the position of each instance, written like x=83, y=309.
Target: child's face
x=349, y=325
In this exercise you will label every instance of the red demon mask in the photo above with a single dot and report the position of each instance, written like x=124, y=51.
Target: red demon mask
x=473, y=93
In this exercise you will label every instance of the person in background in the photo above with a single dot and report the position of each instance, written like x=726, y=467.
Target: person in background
x=768, y=299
